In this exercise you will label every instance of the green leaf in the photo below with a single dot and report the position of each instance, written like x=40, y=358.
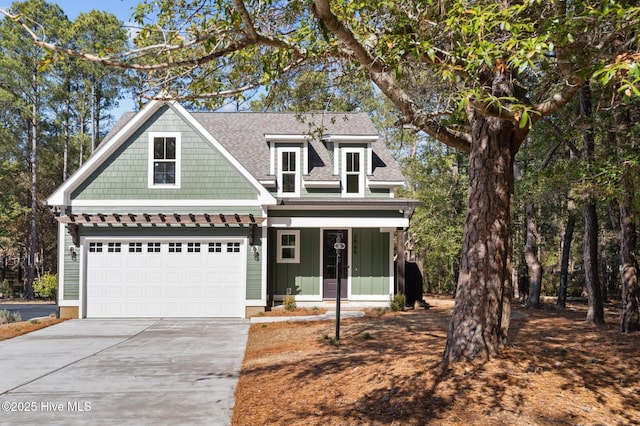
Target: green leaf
x=524, y=119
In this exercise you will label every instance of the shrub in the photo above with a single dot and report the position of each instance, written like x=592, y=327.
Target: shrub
x=397, y=302
x=325, y=338
x=46, y=286
x=5, y=289
x=7, y=317
x=289, y=303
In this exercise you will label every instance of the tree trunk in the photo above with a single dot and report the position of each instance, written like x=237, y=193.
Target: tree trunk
x=67, y=126
x=595, y=312
x=564, y=262
x=31, y=257
x=480, y=319
x=531, y=257
x=630, y=315
x=94, y=136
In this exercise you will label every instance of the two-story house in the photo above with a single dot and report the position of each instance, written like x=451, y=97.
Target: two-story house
x=206, y=214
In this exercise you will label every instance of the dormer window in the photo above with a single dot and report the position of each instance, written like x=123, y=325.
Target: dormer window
x=353, y=172
x=289, y=171
x=164, y=160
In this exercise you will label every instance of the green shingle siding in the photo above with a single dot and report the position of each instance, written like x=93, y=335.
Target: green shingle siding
x=205, y=173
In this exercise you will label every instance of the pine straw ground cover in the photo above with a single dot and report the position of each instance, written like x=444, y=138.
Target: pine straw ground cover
x=7, y=331
x=386, y=370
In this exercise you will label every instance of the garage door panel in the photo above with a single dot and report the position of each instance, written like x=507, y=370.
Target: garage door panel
x=153, y=291
x=134, y=292
x=152, y=279
x=152, y=260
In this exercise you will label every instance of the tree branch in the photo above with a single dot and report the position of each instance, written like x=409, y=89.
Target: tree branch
x=389, y=86
x=558, y=100
x=124, y=61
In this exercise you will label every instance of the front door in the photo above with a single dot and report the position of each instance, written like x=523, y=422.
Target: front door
x=330, y=282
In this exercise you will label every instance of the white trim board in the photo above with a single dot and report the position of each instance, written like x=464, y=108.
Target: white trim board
x=337, y=222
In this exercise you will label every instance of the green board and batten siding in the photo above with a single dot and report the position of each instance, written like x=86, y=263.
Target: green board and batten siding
x=304, y=277
x=206, y=174
x=369, y=262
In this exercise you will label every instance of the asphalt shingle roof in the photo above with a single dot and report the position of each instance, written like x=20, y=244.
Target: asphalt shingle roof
x=243, y=135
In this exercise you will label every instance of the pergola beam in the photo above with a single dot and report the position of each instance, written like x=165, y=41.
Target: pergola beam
x=160, y=218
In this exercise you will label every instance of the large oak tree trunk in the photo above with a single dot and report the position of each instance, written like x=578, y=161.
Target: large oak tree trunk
x=531, y=257
x=480, y=320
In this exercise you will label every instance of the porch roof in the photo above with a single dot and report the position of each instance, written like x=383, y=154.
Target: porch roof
x=406, y=204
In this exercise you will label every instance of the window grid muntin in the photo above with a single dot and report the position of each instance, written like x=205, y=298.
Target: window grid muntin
x=135, y=247
x=233, y=247
x=289, y=171
x=164, y=155
x=352, y=172
x=288, y=246
x=175, y=247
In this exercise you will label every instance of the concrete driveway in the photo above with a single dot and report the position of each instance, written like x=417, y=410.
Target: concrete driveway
x=123, y=372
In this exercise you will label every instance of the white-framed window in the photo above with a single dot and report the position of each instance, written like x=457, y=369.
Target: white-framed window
x=353, y=172
x=114, y=247
x=175, y=247
x=193, y=247
x=135, y=247
x=95, y=247
x=215, y=247
x=153, y=247
x=288, y=246
x=233, y=247
x=164, y=160
x=289, y=171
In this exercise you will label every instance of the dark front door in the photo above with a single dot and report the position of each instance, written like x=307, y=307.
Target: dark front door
x=330, y=282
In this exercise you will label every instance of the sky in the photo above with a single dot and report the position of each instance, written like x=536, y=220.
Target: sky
x=121, y=8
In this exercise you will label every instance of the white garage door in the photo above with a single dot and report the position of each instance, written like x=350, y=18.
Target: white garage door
x=165, y=278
